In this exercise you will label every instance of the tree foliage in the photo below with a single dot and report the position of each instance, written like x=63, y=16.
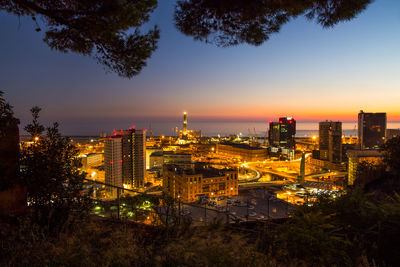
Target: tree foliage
x=391, y=150
x=232, y=22
x=107, y=30
x=9, y=146
x=49, y=168
x=346, y=231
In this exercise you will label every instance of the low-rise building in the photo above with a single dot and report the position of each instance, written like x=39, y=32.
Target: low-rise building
x=156, y=160
x=242, y=151
x=357, y=156
x=183, y=160
x=91, y=160
x=191, y=184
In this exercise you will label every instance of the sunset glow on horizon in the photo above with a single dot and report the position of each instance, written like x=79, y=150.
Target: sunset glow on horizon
x=304, y=71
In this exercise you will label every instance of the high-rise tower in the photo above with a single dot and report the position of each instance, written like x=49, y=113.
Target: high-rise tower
x=113, y=163
x=282, y=133
x=184, y=123
x=330, y=141
x=125, y=158
x=371, y=129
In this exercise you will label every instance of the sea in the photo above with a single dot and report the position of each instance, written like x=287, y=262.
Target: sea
x=303, y=129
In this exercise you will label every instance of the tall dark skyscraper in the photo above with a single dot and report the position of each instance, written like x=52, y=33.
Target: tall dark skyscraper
x=282, y=133
x=371, y=129
x=124, y=158
x=330, y=141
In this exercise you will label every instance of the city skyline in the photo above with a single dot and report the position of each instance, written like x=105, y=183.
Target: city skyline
x=304, y=71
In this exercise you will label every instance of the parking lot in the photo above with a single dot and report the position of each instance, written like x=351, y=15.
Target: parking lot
x=250, y=204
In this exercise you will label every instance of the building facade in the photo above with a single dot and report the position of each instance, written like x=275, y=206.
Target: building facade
x=357, y=156
x=191, y=184
x=282, y=133
x=330, y=141
x=242, y=151
x=371, y=129
x=90, y=160
x=126, y=150
x=113, y=162
x=182, y=160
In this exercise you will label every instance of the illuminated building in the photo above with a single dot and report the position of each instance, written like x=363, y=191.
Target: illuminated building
x=282, y=133
x=184, y=124
x=242, y=151
x=330, y=141
x=191, y=184
x=156, y=160
x=358, y=156
x=149, y=152
x=371, y=129
x=182, y=160
x=90, y=160
x=113, y=162
x=134, y=154
x=128, y=149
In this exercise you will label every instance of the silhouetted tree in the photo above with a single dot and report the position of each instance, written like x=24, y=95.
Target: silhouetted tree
x=105, y=29
x=49, y=168
x=9, y=146
x=232, y=22
x=391, y=150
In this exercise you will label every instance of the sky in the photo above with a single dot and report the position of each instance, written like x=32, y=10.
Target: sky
x=304, y=71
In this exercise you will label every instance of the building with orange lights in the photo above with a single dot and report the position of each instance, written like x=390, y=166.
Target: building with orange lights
x=124, y=158
x=242, y=151
x=191, y=184
x=358, y=156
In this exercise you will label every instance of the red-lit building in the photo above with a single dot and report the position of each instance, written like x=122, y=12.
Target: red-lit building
x=282, y=133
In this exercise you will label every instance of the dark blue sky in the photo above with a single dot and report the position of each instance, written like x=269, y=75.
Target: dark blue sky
x=304, y=71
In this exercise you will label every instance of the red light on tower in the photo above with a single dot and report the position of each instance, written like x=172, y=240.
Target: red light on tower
x=121, y=160
x=111, y=162
x=270, y=122
x=280, y=122
x=291, y=121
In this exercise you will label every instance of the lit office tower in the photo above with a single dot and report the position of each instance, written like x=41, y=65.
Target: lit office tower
x=282, y=133
x=184, y=123
x=113, y=161
x=133, y=156
x=330, y=141
x=124, y=157
x=371, y=129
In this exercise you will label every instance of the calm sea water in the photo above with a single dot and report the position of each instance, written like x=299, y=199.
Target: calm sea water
x=304, y=129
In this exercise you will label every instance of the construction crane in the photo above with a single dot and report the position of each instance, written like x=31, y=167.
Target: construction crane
x=250, y=137
x=255, y=136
